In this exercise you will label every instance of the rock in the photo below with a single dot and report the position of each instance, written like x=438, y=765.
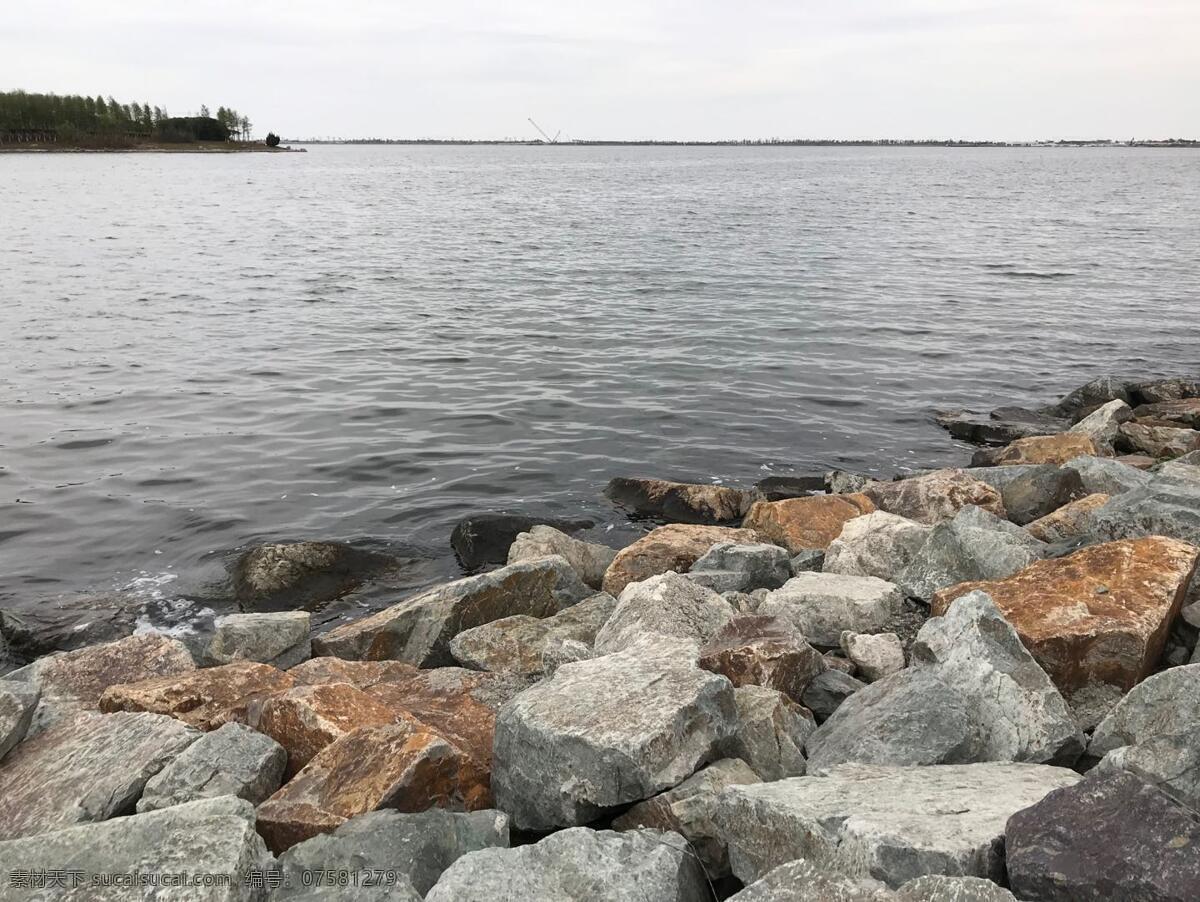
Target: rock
x=800, y=524
x=578, y=864
x=938, y=888
x=1170, y=389
x=810, y=560
x=752, y=567
x=1157, y=441
x=62, y=624
x=878, y=544
x=279, y=639
x=202, y=698
x=518, y=644
x=890, y=823
x=87, y=768
x=280, y=576
x=839, y=482
x=420, y=845
x=233, y=760
x=770, y=734
x=606, y=732
x=679, y=502
x=934, y=497
x=1184, y=411
x=1100, y=615
x=560, y=652
x=1137, y=461
x=1101, y=475
x=1163, y=704
x=974, y=545
x=1033, y=490
x=801, y=881
x=759, y=650
x=1110, y=836
x=822, y=605
x=486, y=538
x=361, y=674
x=1004, y=425
x=1091, y=395
x=688, y=809
x=418, y=630
x=212, y=840
x=1071, y=521
x=588, y=559
x=1020, y=714
x=744, y=602
x=1182, y=469
x=835, y=660
x=1164, y=507
x=1046, y=449
x=675, y=547
x=1103, y=424
x=18, y=701
x=827, y=691
x=875, y=656
x=780, y=488
x=669, y=605
x=1169, y=761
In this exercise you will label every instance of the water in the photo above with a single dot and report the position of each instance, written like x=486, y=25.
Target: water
x=367, y=343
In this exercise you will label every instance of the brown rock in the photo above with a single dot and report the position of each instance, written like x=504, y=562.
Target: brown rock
x=935, y=497
x=801, y=523
x=357, y=673
x=674, y=547
x=1137, y=461
x=1158, y=441
x=760, y=650
x=203, y=698
x=1048, y=449
x=1069, y=521
x=680, y=502
x=1100, y=615
x=1184, y=412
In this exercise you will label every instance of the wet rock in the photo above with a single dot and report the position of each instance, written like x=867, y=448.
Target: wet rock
x=800, y=524
x=891, y=823
x=1091, y=395
x=679, y=502
x=1164, y=507
x=1163, y=704
x=608, y=731
x=1006, y=424
x=668, y=605
x=839, y=482
x=1103, y=425
x=802, y=881
x=1046, y=449
x=827, y=691
x=749, y=567
x=874, y=655
x=1071, y=521
x=822, y=605
x=213, y=837
x=280, y=639
x=939, y=888
x=87, y=768
x=588, y=559
x=1100, y=615
x=669, y=548
x=517, y=644
x=1157, y=441
x=770, y=733
x=486, y=538
x=1032, y=491
x=878, y=544
x=18, y=701
x=1101, y=475
x=283, y=575
x=759, y=650
x=780, y=488
x=233, y=760
x=1184, y=411
x=419, y=629
x=597, y=865
x=1110, y=836
x=688, y=809
x=1171, y=389
x=934, y=497
x=419, y=844
x=63, y=624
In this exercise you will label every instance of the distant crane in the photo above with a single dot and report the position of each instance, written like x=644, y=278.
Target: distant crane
x=549, y=140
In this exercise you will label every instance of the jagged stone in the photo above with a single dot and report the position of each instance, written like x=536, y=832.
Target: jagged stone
x=284, y=575
x=1106, y=476
x=1103, y=425
x=808, y=561
x=839, y=482
x=1169, y=761
x=874, y=655
x=1031, y=491
x=1184, y=411
x=827, y=691
x=280, y=639
x=822, y=605
x=588, y=559
x=934, y=497
x=669, y=548
x=670, y=605
x=1165, y=703
x=1071, y=521
x=1163, y=507
x=18, y=701
x=486, y=538
x=749, y=567
x=1091, y=395
x=770, y=734
x=802, y=881
x=759, y=650
x=800, y=524
x=1157, y=441
x=680, y=502
x=878, y=544
x=1172, y=388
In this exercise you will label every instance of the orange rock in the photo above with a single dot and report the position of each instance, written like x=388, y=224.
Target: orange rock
x=800, y=523
x=674, y=547
x=1161, y=441
x=1100, y=615
x=357, y=673
x=1184, y=412
x=1069, y=521
x=202, y=698
x=1048, y=449
x=1137, y=461
x=935, y=497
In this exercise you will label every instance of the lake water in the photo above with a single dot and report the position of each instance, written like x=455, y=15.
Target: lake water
x=367, y=343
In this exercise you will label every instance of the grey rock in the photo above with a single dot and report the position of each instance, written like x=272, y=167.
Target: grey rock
x=233, y=760
x=770, y=734
x=807, y=561
x=878, y=544
x=780, y=488
x=934, y=497
x=893, y=824
x=421, y=845
x=587, y=558
x=839, y=482
x=280, y=639
x=1104, y=476
x=18, y=701
x=1090, y=395
x=756, y=566
x=487, y=538
x=608, y=731
x=1030, y=491
x=1173, y=388
x=802, y=881
x=669, y=604
x=1006, y=424
x=1170, y=761
x=578, y=864
x=1164, y=507
x=744, y=602
x=822, y=605
x=938, y=888
x=1165, y=703
x=827, y=691
x=1103, y=424
x=558, y=652
x=1158, y=441
x=1182, y=469
x=874, y=655
x=281, y=576
x=62, y=624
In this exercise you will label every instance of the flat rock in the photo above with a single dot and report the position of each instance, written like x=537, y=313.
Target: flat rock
x=745, y=568
x=1111, y=836
x=827, y=691
x=679, y=502
x=1163, y=507
x=1031, y=491
x=1071, y=521
x=760, y=650
x=1002, y=427
x=85, y=768
x=18, y=701
x=669, y=548
x=800, y=524
x=939, y=888
x=1163, y=704
x=802, y=881
x=608, y=731
x=280, y=639
x=1100, y=615
x=823, y=605
x=1157, y=440
x=893, y=824
x=934, y=497
x=418, y=630
x=587, y=559
x=1103, y=425
x=874, y=655
x=878, y=544
x=670, y=605
x=487, y=538
x=279, y=576
x=1046, y=449
x=233, y=760
x=770, y=733
x=577, y=864
x=1107, y=476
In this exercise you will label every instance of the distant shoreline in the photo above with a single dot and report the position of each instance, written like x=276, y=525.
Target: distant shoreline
x=151, y=147
x=433, y=142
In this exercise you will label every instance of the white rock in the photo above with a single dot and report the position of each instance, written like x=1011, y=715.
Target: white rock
x=878, y=544
x=875, y=655
x=669, y=605
x=280, y=639
x=587, y=559
x=823, y=605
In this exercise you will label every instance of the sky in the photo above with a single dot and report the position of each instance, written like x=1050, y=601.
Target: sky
x=631, y=69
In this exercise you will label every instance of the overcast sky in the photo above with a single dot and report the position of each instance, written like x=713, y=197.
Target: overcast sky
x=1006, y=69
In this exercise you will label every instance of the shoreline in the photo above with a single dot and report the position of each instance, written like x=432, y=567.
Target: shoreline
x=199, y=147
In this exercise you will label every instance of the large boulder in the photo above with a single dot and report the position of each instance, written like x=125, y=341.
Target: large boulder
x=572, y=865
x=487, y=538
x=608, y=731
x=1003, y=426
x=1045, y=449
x=760, y=650
x=280, y=576
x=1172, y=388
x=18, y=701
x=679, y=502
x=670, y=605
x=1100, y=615
x=1106, y=476
x=799, y=524
x=1184, y=411
x=742, y=568
x=588, y=559
x=874, y=655
x=1103, y=425
x=770, y=733
x=1170, y=761
x=823, y=605
x=675, y=547
x=1090, y=395
x=68, y=622
x=418, y=630
x=890, y=823
x=877, y=544
x=1157, y=440
x=1163, y=507
x=1071, y=521
x=1182, y=469
x=280, y=639
x=934, y=497
x=1164, y=704
x=1031, y=491
x=1111, y=836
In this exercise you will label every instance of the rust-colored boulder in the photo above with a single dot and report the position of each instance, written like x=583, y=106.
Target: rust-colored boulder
x=673, y=547
x=680, y=502
x=1158, y=440
x=1183, y=412
x=1069, y=521
x=202, y=698
x=357, y=673
x=760, y=650
x=1048, y=449
x=935, y=497
x=801, y=523
x=1137, y=461
x=1100, y=615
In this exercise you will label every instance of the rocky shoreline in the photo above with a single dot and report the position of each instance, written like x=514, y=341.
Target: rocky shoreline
x=963, y=684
